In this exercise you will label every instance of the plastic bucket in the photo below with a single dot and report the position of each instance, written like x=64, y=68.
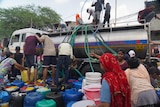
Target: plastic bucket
x=93, y=74
x=92, y=92
x=93, y=78
x=83, y=103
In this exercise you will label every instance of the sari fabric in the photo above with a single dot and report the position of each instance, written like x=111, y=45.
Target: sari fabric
x=116, y=78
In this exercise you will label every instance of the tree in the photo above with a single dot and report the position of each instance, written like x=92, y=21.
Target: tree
x=26, y=16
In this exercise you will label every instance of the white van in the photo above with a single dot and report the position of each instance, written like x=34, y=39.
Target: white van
x=18, y=37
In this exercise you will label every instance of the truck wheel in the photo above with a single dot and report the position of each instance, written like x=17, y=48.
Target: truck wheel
x=87, y=68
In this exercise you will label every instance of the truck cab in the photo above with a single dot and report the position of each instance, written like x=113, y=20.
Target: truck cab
x=18, y=37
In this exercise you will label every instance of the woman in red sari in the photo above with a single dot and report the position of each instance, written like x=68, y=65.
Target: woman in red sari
x=115, y=91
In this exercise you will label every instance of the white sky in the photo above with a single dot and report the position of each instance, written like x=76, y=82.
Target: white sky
x=68, y=8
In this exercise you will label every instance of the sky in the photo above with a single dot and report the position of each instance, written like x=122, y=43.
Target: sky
x=68, y=8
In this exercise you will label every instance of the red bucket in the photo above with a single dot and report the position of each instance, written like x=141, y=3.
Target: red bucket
x=92, y=92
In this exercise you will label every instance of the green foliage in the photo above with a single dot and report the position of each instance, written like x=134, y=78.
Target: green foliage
x=26, y=16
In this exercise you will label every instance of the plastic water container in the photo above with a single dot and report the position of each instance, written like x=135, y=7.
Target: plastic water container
x=46, y=103
x=72, y=95
x=4, y=104
x=11, y=89
x=16, y=99
x=4, y=97
x=44, y=91
x=57, y=97
x=17, y=83
x=93, y=74
x=83, y=103
x=32, y=98
x=69, y=104
x=92, y=92
x=24, y=75
x=93, y=78
x=27, y=89
x=70, y=81
x=77, y=85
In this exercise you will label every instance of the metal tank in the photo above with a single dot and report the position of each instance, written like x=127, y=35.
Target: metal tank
x=105, y=40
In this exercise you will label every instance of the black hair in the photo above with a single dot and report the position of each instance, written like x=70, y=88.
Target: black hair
x=153, y=70
x=17, y=48
x=38, y=34
x=122, y=50
x=8, y=54
x=153, y=63
x=133, y=62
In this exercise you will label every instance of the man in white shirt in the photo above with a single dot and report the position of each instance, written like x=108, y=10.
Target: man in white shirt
x=65, y=54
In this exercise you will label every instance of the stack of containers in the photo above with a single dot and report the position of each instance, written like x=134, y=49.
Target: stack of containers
x=91, y=86
x=93, y=78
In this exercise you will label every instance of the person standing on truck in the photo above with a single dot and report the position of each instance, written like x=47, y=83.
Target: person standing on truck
x=98, y=8
x=49, y=57
x=91, y=12
x=65, y=54
x=147, y=14
x=107, y=14
x=30, y=55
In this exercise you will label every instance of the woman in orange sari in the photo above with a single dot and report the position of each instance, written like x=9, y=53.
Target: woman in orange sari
x=115, y=91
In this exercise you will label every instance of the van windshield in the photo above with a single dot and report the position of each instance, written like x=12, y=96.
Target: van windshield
x=15, y=38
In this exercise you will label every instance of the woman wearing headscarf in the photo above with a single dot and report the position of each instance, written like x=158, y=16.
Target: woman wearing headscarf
x=115, y=91
x=142, y=92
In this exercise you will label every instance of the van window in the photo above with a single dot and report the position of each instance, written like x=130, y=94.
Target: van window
x=23, y=37
x=15, y=38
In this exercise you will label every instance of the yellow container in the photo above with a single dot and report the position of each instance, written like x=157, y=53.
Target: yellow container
x=25, y=75
x=4, y=105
